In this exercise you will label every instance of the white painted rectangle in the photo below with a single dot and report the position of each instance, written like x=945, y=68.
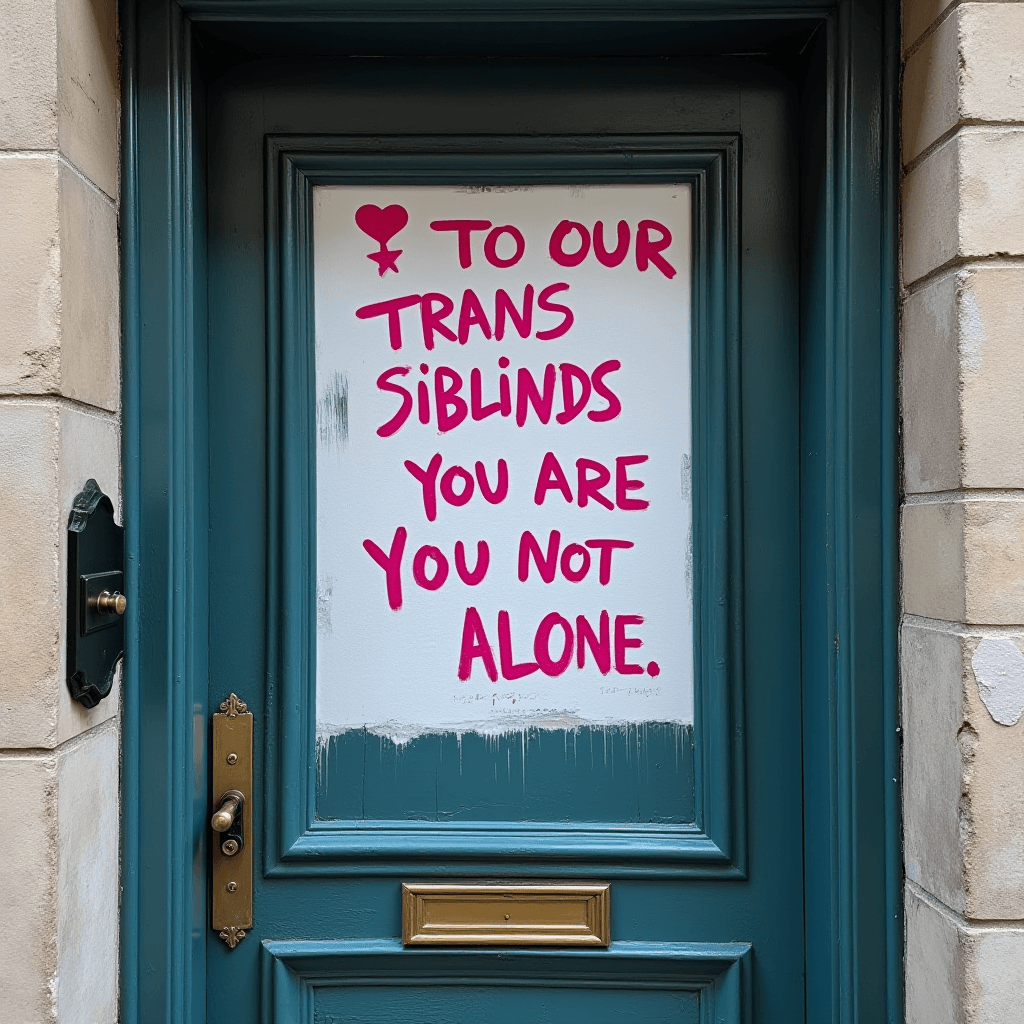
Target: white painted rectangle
x=396, y=671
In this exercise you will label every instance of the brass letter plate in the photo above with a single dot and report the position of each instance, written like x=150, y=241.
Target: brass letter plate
x=231, y=831
x=505, y=914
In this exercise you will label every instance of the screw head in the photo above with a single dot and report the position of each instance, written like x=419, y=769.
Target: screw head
x=229, y=847
x=232, y=887
x=232, y=758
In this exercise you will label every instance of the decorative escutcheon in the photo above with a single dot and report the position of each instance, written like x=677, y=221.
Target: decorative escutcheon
x=96, y=602
x=231, y=821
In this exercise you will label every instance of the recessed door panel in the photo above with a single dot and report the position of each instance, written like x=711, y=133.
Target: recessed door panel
x=503, y=480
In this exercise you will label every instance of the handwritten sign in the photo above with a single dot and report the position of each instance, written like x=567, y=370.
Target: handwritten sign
x=503, y=457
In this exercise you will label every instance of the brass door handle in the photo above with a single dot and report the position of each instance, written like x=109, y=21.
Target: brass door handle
x=232, y=820
x=224, y=817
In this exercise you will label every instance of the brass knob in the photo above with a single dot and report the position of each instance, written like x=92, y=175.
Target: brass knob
x=224, y=816
x=110, y=602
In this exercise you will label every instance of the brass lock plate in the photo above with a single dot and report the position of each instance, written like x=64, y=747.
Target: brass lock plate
x=231, y=874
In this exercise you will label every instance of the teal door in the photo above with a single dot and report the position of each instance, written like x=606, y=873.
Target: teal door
x=444, y=664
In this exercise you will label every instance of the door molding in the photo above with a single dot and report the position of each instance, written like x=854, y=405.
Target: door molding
x=848, y=444
x=714, y=844
x=717, y=973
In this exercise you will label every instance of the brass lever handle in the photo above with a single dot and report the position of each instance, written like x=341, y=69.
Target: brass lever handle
x=231, y=846
x=224, y=817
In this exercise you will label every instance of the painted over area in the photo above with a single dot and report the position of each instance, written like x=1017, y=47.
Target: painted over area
x=503, y=458
x=999, y=670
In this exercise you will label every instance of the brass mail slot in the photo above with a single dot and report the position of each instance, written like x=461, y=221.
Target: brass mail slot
x=505, y=914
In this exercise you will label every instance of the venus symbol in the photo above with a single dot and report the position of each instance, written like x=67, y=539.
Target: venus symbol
x=382, y=226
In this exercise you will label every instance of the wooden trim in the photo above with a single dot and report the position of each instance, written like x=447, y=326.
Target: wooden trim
x=720, y=973
x=714, y=845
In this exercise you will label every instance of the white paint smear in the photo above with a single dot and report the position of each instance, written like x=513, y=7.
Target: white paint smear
x=396, y=672
x=999, y=670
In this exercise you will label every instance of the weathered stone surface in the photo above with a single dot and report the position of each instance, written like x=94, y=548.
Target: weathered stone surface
x=28, y=74
x=29, y=275
x=931, y=89
x=970, y=69
x=963, y=722
x=994, y=560
x=934, y=965
x=90, y=300
x=89, y=98
x=963, y=559
x=958, y=973
x=59, y=284
x=931, y=207
x=932, y=546
x=918, y=17
x=964, y=199
x=930, y=384
x=87, y=890
x=933, y=767
x=48, y=451
x=963, y=382
x=28, y=888
x=994, y=975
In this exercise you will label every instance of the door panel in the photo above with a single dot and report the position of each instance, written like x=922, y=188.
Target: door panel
x=707, y=854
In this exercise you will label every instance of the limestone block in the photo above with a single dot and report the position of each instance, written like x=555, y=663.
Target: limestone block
x=28, y=74
x=90, y=299
x=964, y=199
x=970, y=69
x=29, y=275
x=993, y=802
x=963, y=792
x=88, y=889
x=930, y=385
x=47, y=452
x=59, y=885
x=994, y=561
x=994, y=974
x=963, y=559
x=28, y=887
x=931, y=670
x=963, y=381
x=989, y=305
x=918, y=16
x=931, y=89
x=932, y=543
x=957, y=973
x=60, y=333
x=59, y=82
x=89, y=97
x=992, y=49
x=931, y=208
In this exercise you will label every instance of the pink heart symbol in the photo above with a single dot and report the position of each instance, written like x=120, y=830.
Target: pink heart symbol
x=381, y=225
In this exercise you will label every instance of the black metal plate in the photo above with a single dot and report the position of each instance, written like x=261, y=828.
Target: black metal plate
x=95, y=564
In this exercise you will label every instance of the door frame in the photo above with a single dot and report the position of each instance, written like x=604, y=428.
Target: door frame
x=849, y=536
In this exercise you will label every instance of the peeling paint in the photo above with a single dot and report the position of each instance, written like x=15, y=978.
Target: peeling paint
x=999, y=671
x=324, y=605
x=402, y=733
x=972, y=332
x=332, y=413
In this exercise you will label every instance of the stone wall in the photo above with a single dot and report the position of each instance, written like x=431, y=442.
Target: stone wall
x=59, y=401
x=963, y=513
